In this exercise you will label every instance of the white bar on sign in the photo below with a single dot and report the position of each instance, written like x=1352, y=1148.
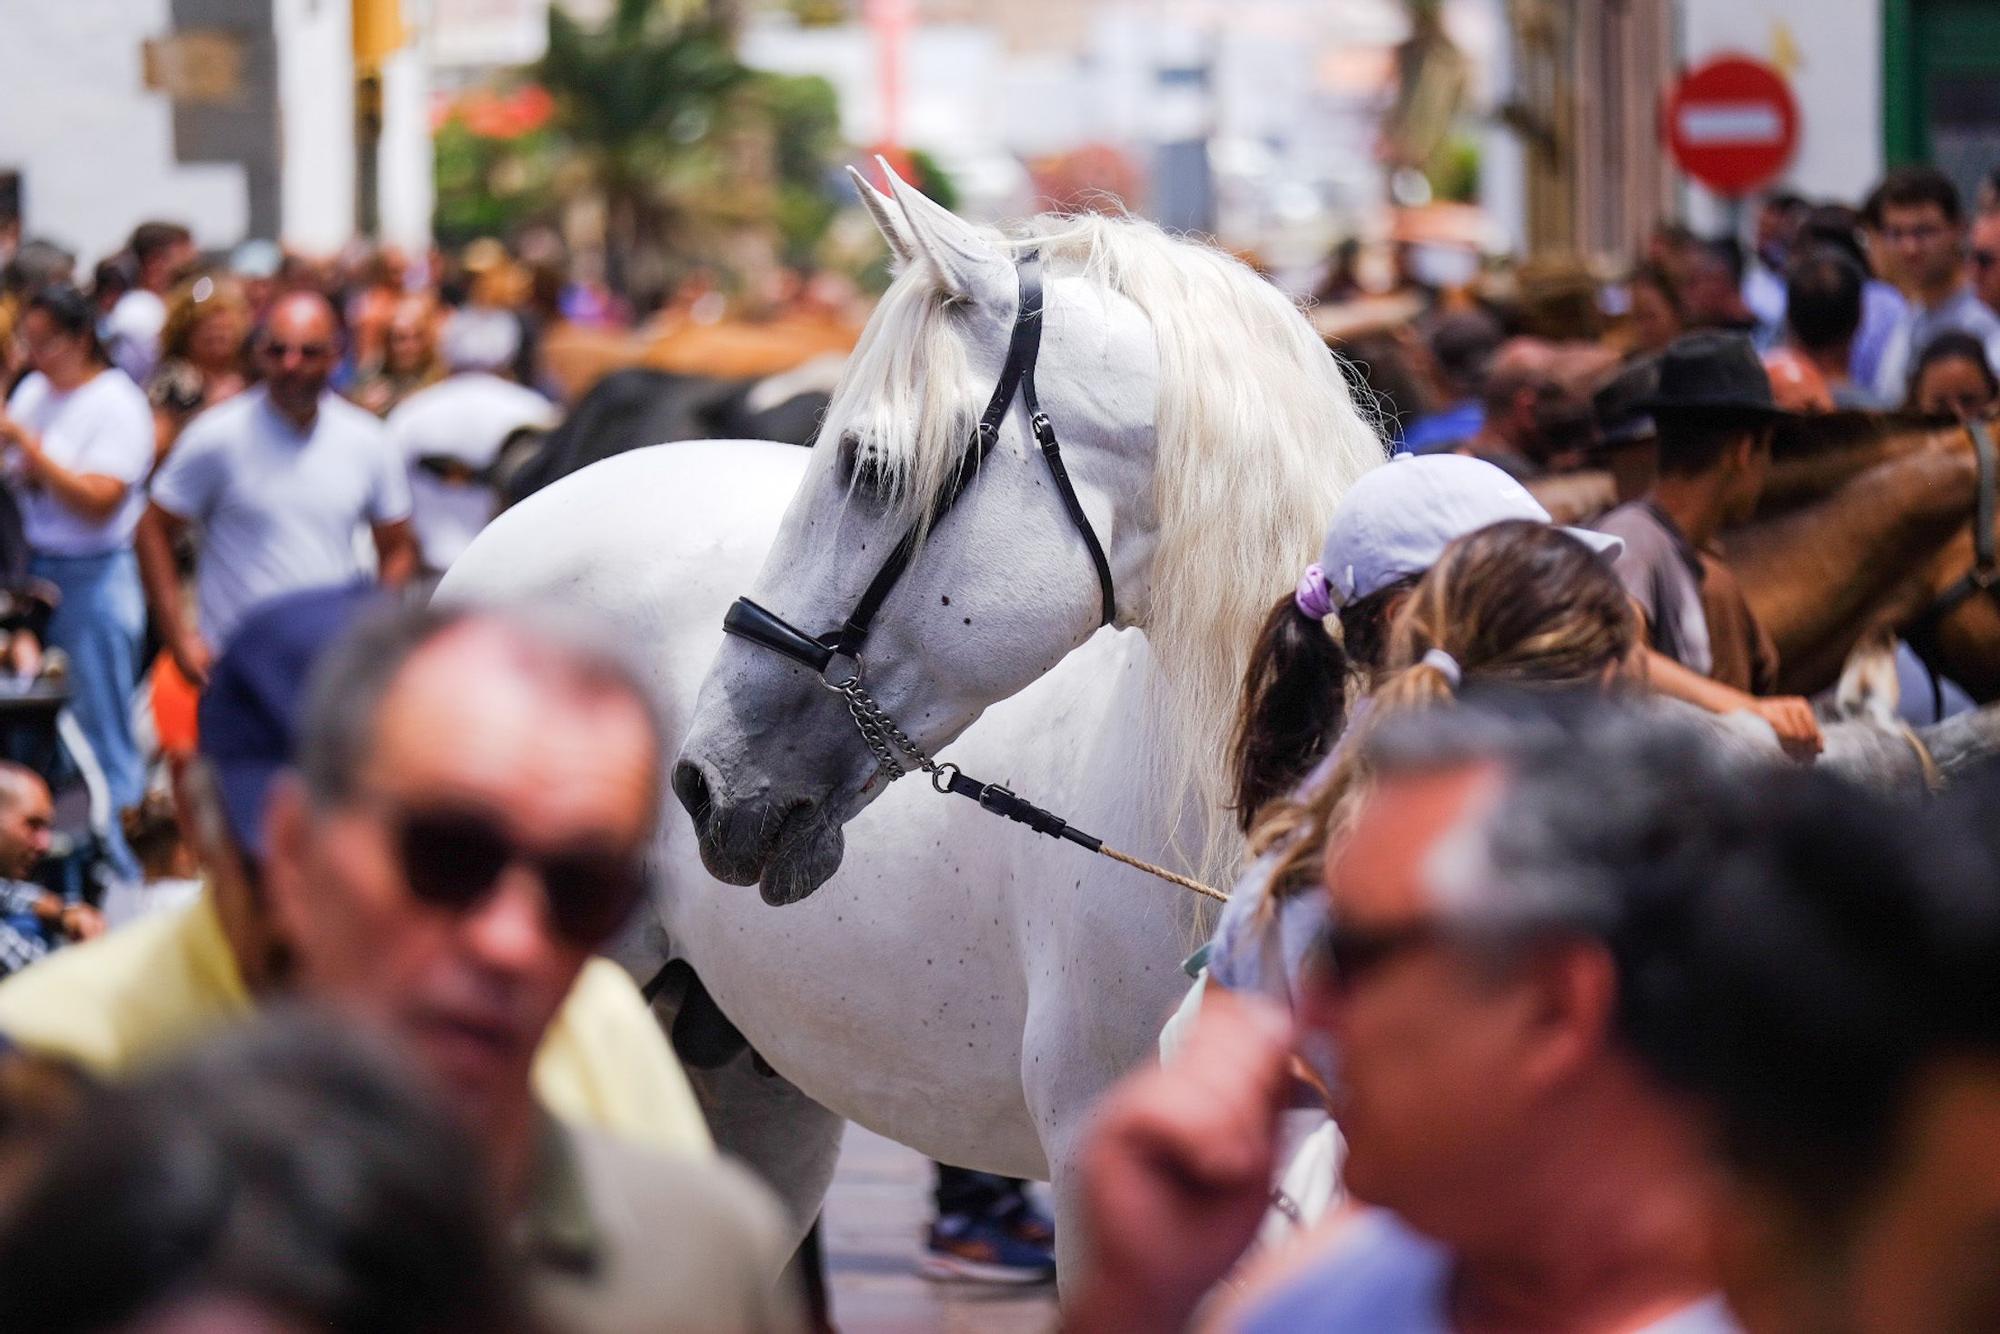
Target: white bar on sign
x=1732, y=123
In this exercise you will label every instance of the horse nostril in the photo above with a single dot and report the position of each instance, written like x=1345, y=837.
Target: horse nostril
x=691, y=786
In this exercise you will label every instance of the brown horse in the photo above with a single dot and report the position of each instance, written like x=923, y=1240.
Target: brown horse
x=1866, y=521
x=1865, y=524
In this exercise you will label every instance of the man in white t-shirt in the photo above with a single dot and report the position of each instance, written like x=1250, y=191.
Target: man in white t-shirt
x=161, y=252
x=451, y=433
x=279, y=480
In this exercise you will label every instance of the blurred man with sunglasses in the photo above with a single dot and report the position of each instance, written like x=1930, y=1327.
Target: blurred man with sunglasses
x=466, y=826
x=280, y=480
x=1512, y=1162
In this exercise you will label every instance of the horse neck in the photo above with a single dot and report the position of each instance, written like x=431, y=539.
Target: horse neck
x=1830, y=452
x=1820, y=573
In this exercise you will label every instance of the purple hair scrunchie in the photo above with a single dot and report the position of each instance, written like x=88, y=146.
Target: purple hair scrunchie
x=1312, y=597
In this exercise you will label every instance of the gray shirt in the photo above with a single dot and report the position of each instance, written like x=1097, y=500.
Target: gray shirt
x=279, y=510
x=620, y=1240
x=1662, y=572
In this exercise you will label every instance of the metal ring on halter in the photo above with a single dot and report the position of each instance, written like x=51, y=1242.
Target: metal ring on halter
x=942, y=774
x=852, y=679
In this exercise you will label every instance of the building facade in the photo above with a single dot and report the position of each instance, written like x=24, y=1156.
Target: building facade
x=236, y=117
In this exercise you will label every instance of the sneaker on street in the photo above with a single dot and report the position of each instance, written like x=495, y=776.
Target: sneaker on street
x=983, y=1249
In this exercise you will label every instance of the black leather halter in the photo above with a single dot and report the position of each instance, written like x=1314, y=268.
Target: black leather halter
x=1923, y=636
x=747, y=620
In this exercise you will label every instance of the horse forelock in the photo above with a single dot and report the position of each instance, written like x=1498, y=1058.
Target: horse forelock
x=1258, y=436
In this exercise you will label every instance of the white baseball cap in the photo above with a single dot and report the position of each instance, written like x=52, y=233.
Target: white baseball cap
x=1397, y=520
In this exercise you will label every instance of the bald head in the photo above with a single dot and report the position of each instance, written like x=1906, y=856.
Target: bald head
x=27, y=820
x=482, y=669
x=300, y=346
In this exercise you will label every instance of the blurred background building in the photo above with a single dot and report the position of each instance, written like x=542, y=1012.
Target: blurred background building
x=1282, y=126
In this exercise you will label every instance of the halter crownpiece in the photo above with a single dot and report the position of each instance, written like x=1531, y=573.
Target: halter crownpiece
x=836, y=655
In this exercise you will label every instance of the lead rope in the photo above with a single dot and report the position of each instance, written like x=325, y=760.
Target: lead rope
x=890, y=744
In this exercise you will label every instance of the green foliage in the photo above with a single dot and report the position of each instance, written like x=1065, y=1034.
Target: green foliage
x=491, y=187
x=1453, y=170
x=655, y=116
x=641, y=82
x=932, y=179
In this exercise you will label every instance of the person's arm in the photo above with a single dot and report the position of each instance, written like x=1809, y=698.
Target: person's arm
x=395, y=552
x=158, y=534
x=1177, y=1171
x=1789, y=716
x=95, y=496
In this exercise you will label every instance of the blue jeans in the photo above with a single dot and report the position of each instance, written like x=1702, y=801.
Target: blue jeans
x=100, y=625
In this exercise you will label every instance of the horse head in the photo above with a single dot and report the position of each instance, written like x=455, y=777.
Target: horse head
x=1152, y=351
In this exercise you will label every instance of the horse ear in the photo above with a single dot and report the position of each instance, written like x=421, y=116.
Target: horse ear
x=887, y=217
x=965, y=262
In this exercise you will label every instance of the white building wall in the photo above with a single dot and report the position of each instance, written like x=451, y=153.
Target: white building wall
x=406, y=195
x=316, y=117
x=94, y=146
x=1832, y=52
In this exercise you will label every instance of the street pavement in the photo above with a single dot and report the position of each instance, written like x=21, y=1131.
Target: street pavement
x=875, y=1220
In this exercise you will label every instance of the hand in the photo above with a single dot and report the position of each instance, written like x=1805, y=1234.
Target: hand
x=194, y=657
x=80, y=921
x=1177, y=1169
x=1792, y=719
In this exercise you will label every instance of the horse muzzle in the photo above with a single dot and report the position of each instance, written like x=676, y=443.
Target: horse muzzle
x=786, y=845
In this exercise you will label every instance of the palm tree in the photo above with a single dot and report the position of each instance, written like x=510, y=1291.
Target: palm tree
x=637, y=99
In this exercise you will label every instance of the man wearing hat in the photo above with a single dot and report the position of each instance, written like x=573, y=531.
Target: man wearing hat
x=1713, y=414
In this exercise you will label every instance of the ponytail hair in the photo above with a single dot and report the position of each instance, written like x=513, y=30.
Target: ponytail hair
x=1518, y=603
x=1294, y=705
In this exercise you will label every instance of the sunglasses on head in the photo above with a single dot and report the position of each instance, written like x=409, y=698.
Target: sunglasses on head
x=453, y=859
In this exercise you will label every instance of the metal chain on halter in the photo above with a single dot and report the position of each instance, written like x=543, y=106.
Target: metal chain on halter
x=890, y=745
x=879, y=730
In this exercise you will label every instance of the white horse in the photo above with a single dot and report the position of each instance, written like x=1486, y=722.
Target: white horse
x=960, y=983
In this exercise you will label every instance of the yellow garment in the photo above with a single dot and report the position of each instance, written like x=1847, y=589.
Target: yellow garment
x=136, y=994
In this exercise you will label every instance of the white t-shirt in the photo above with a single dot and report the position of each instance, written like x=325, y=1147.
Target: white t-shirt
x=104, y=426
x=279, y=511
x=465, y=418
x=131, y=332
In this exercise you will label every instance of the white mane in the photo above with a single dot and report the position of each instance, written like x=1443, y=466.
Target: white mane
x=1258, y=438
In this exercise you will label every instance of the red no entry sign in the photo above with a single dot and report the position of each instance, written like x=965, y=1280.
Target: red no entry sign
x=1732, y=124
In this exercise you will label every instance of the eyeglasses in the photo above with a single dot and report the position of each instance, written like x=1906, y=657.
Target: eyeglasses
x=1345, y=955
x=306, y=351
x=1922, y=234
x=453, y=858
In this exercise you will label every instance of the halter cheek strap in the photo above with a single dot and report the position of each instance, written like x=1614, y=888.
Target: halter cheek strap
x=1017, y=376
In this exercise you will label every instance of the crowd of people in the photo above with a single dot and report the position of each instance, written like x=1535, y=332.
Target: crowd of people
x=1545, y=1003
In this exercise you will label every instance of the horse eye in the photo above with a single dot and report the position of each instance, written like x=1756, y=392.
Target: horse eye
x=860, y=467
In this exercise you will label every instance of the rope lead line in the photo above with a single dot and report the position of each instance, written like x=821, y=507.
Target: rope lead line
x=890, y=745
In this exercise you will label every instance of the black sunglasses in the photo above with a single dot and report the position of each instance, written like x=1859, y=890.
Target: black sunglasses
x=310, y=351
x=1345, y=955
x=453, y=859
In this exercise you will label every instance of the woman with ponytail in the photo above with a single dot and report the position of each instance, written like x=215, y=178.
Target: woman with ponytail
x=1517, y=604
x=1318, y=662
